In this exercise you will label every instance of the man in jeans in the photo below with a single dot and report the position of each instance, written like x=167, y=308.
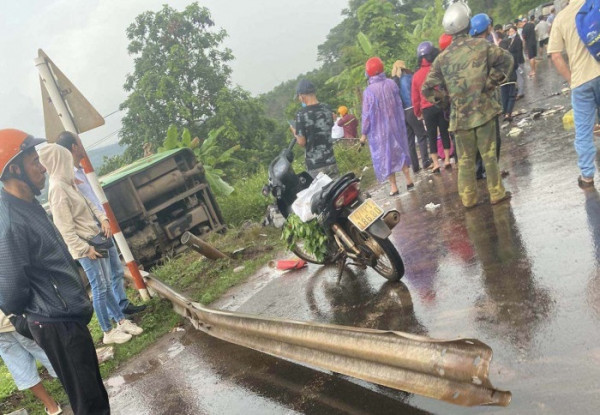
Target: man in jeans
x=72, y=143
x=583, y=75
x=38, y=277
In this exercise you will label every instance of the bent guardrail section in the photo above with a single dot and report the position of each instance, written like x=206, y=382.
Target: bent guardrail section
x=455, y=371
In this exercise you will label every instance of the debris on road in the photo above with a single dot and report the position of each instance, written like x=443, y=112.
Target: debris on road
x=432, y=206
x=568, y=120
x=105, y=353
x=554, y=110
x=201, y=246
x=287, y=264
x=515, y=132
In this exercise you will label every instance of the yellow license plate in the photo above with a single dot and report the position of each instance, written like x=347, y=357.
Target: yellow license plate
x=365, y=214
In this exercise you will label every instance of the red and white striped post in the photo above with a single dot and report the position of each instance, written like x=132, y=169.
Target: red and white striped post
x=67, y=121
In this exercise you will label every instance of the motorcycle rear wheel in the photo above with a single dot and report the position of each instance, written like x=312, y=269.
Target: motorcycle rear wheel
x=388, y=262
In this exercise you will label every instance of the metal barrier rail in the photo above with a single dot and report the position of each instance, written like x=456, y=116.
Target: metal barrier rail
x=455, y=371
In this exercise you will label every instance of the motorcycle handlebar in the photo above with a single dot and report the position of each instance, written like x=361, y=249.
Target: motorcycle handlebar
x=292, y=144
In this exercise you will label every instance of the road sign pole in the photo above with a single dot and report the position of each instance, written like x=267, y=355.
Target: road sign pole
x=66, y=118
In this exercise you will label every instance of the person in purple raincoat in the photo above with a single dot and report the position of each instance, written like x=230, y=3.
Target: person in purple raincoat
x=383, y=123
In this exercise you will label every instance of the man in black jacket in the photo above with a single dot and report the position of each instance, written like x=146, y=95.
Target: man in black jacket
x=38, y=277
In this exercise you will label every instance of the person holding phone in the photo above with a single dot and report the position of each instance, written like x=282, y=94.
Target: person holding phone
x=72, y=143
x=77, y=221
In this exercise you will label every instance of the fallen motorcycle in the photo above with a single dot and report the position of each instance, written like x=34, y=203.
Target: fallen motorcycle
x=356, y=227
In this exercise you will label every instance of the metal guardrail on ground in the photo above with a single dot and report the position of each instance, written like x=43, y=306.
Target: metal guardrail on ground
x=455, y=371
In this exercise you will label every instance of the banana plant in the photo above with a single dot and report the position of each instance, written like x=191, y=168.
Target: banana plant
x=352, y=79
x=208, y=153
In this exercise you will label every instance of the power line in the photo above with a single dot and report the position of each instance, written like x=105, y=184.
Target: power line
x=103, y=139
x=114, y=112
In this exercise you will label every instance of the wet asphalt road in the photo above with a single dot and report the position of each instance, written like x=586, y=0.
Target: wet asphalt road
x=522, y=277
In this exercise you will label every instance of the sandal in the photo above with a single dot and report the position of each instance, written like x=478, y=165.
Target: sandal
x=410, y=186
x=507, y=196
x=396, y=193
x=448, y=166
x=436, y=170
x=584, y=184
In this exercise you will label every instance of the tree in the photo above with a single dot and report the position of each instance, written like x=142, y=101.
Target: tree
x=179, y=70
x=243, y=122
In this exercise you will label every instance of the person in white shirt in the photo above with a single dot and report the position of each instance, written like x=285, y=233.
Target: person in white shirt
x=542, y=32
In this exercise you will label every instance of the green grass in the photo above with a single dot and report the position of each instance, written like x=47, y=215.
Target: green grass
x=157, y=320
x=247, y=201
x=203, y=280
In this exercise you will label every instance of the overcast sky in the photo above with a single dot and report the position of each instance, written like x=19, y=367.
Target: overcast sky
x=272, y=41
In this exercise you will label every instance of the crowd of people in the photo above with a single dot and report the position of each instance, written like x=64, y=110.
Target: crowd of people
x=448, y=106
x=452, y=105
x=45, y=308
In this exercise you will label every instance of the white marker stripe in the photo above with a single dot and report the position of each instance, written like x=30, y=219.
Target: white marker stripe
x=127, y=255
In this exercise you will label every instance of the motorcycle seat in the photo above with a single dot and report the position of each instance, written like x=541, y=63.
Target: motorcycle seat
x=319, y=201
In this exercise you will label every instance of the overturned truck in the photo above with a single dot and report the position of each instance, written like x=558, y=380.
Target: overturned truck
x=158, y=198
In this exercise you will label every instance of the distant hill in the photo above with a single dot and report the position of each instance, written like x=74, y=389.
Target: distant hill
x=97, y=155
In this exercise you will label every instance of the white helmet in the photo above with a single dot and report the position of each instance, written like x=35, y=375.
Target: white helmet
x=457, y=18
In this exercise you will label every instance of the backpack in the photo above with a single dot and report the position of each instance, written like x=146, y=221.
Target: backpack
x=587, y=21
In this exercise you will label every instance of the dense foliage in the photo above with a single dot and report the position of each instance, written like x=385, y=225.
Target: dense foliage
x=179, y=70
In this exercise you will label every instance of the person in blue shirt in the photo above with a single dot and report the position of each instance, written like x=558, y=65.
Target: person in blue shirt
x=414, y=127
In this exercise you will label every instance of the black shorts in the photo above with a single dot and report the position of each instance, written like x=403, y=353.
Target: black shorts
x=532, y=51
x=544, y=42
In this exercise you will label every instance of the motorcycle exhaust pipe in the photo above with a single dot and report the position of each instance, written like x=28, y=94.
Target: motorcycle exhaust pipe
x=345, y=238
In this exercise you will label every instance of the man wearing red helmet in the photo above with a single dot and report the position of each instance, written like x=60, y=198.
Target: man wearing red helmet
x=38, y=277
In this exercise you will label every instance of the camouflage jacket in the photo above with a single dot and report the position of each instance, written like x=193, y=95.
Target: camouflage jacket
x=469, y=72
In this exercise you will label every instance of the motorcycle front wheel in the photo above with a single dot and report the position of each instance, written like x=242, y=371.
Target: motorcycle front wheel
x=385, y=259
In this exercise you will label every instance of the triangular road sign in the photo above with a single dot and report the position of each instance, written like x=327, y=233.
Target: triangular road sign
x=84, y=115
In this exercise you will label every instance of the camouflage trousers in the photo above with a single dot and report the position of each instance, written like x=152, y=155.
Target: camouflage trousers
x=467, y=144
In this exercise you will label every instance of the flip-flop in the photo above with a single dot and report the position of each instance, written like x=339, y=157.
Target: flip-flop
x=436, y=170
x=396, y=193
x=410, y=186
x=448, y=166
